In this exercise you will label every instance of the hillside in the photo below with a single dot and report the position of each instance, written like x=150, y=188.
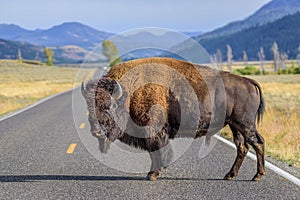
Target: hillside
x=63, y=54
x=270, y=12
x=9, y=50
x=71, y=33
x=285, y=32
x=75, y=54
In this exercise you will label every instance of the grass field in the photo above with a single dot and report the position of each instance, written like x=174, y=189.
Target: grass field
x=23, y=84
x=281, y=124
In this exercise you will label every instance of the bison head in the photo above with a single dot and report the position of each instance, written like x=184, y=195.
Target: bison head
x=101, y=96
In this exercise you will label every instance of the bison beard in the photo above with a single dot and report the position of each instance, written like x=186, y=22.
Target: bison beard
x=241, y=99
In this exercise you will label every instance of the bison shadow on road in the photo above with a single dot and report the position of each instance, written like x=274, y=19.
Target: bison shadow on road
x=34, y=178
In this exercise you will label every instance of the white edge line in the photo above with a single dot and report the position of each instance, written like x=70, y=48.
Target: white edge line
x=268, y=165
x=12, y=114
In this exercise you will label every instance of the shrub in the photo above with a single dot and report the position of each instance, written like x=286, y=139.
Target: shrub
x=257, y=72
x=297, y=70
x=248, y=70
x=291, y=70
x=283, y=71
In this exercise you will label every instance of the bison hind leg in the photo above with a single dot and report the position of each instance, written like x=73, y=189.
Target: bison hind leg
x=242, y=150
x=253, y=138
x=259, y=147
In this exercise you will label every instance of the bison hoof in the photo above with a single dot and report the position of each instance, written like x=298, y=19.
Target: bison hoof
x=229, y=176
x=257, y=177
x=158, y=173
x=151, y=177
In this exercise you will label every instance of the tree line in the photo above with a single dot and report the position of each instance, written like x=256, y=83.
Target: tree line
x=279, y=58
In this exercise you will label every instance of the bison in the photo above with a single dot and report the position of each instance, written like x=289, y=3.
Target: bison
x=146, y=114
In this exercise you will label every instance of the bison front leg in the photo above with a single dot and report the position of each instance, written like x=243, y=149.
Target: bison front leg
x=159, y=158
x=155, y=166
x=242, y=150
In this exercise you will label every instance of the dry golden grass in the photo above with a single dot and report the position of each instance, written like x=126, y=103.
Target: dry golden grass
x=23, y=84
x=281, y=124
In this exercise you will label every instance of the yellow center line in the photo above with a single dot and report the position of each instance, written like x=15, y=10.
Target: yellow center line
x=87, y=113
x=71, y=148
x=82, y=125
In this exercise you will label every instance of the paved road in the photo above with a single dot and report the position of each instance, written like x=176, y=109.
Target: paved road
x=35, y=165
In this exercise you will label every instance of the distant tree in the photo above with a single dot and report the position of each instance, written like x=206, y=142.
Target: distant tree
x=276, y=57
x=213, y=60
x=245, y=58
x=261, y=57
x=37, y=56
x=111, y=52
x=49, y=54
x=217, y=59
x=19, y=56
x=229, y=57
x=283, y=58
x=298, y=56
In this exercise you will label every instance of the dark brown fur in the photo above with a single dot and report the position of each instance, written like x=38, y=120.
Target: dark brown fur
x=240, y=98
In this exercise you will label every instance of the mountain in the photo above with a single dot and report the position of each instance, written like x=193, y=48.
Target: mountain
x=285, y=32
x=147, y=42
x=12, y=32
x=70, y=33
x=193, y=34
x=270, y=12
x=71, y=42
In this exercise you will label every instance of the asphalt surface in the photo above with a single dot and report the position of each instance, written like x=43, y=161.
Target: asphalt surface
x=35, y=165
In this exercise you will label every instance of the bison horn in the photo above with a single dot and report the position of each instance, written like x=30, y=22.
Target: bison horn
x=118, y=92
x=83, y=92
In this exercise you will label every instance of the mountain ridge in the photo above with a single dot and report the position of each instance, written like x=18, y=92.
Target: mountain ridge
x=269, y=12
x=282, y=31
x=68, y=33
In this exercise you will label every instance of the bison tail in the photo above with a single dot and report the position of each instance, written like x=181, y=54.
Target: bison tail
x=261, y=108
x=262, y=104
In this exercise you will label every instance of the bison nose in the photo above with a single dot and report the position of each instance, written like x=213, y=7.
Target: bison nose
x=96, y=133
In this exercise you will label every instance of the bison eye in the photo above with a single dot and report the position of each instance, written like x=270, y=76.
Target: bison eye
x=92, y=117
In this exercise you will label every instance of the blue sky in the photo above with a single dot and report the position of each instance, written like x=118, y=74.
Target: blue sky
x=117, y=15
